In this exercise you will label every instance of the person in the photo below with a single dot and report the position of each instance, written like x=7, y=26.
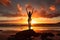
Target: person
x=29, y=18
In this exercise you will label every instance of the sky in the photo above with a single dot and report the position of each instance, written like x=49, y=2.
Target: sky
x=45, y=11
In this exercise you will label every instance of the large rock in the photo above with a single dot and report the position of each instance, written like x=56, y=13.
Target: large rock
x=24, y=35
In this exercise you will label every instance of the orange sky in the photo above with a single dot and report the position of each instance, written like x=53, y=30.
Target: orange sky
x=23, y=20
x=41, y=15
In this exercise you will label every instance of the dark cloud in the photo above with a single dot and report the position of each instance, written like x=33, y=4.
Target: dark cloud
x=10, y=15
x=52, y=15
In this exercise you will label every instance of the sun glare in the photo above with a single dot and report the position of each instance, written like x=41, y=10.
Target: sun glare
x=33, y=22
x=31, y=27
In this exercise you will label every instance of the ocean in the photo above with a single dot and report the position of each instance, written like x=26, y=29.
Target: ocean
x=6, y=32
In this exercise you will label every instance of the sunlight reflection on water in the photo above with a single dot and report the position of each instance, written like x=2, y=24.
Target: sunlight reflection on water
x=26, y=28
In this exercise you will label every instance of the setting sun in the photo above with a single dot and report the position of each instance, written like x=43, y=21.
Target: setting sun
x=33, y=21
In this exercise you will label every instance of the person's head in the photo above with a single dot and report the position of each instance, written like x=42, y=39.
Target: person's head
x=29, y=12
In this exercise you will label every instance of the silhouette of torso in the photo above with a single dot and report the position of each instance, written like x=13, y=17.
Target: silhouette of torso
x=29, y=15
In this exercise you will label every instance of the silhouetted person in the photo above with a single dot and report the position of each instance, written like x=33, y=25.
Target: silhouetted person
x=29, y=18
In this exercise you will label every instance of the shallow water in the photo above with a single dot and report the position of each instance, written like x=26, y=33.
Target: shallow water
x=20, y=28
x=7, y=31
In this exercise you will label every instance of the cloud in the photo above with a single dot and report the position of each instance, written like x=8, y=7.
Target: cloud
x=19, y=7
x=6, y=3
x=43, y=12
x=19, y=10
x=8, y=14
x=57, y=1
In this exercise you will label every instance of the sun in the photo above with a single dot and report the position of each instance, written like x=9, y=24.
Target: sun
x=33, y=22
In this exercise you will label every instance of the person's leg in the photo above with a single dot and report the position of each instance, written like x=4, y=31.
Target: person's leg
x=29, y=23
